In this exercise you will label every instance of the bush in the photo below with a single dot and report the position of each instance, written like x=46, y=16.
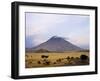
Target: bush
x=83, y=57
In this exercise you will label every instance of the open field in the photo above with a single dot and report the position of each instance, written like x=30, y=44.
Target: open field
x=71, y=58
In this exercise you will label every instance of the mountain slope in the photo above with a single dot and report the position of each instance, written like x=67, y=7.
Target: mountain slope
x=57, y=44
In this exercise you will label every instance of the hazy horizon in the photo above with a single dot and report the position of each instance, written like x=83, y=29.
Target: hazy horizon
x=41, y=26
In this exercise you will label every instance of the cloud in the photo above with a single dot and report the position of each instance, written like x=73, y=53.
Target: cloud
x=29, y=42
x=41, y=23
x=81, y=41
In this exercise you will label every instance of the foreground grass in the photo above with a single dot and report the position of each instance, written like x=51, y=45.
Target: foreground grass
x=71, y=58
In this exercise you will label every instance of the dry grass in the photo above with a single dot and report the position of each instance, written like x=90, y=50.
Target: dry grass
x=70, y=58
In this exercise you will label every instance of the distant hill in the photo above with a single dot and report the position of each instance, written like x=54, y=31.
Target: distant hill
x=41, y=51
x=57, y=44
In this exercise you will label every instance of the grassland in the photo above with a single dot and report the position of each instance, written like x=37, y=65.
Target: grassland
x=70, y=58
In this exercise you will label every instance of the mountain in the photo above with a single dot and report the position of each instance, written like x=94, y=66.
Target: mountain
x=57, y=44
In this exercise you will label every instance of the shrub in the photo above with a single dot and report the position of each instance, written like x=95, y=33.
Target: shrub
x=83, y=57
x=44, y=56
x=68, y=58
x=39, y=62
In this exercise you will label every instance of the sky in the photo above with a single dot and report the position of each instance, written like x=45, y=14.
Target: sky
x=42, y=26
